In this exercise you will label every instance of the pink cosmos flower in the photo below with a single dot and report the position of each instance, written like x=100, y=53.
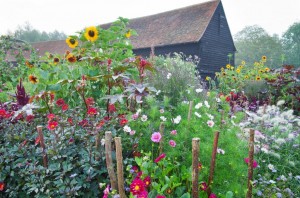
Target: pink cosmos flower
x=255, y=164
x=210, y=123
x=160, y=196
x=156, y=136
x=212, y=195
x=173, y=132
x=172, y=143
x=163, y=155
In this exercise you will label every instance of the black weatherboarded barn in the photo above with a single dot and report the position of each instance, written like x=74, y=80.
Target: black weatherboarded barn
x=200, y=29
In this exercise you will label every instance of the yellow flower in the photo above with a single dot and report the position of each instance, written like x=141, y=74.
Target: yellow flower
x=128, y=34
x=231, y=68
x=261, y=71
x=207, y=78
x=243, y=63
x=246, y=76
x=33, y=79
x=257, y=78
x=71, y=58
x=228, y=66
x=222, y=68
x=72, y=43
x=267, y=69
x=264, y=58
x=91, y=33
x=241, y=66
x=238, y=71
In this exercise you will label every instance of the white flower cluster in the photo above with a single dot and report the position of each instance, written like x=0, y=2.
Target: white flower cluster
x=176, y=120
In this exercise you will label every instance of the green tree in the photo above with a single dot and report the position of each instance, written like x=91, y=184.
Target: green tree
x=29, y=34
x=253, y=42
x=291, y=43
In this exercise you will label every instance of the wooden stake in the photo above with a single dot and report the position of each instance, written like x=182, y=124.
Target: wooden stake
x=213, y=162
x=120, y=167
x=190, y=111
x=42, y=143
x=195, y=162
x=250, y=165
x=109, y=162
x=161, y=131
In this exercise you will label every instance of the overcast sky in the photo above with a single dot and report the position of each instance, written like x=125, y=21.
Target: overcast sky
x=69, y=16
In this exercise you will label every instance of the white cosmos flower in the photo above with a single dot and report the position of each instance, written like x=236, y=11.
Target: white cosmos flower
x=176, y=120
x=169, y=75
x=199, y=90
x=127, y=129
x=163, y=118
x=198, y=115
x=198, y=105
x=206, y=104
x=210, y=123
x=144, y=118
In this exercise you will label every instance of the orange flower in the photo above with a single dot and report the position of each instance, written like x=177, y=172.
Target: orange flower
x=29, y=64
x=71, y=58
x=33, y=79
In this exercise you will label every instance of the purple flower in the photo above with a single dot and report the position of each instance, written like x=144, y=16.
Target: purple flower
x=156, y=136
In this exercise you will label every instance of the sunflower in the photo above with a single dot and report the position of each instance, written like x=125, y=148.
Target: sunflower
x=258, y=78
x=234, y=78
x=231, y=68
x=91, y=33
x=71, y=58
x=128, y=34
x=72, y=43
x=246, y=77
x=207, y=78
x=238, y=71
x=243, y=63
x=55, y=60
x=223, y=73
x=267, y=69
x=228, y=66
x=264, y=58
x=29, y=64
x=222, y=69
x=261, y=71
x=241, y=66
x=33, y=79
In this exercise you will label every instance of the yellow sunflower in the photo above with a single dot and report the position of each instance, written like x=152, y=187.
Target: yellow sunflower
x=243, y=63
x=258, y=78
x=228, y=66
x=246, y=77
x=72, y=43
x=231, y=68
x=91, y=33
x=33, y=79
x=238, y=71
x=128, y=34
x=223, y=73
x=207, y=78
x=264, y=58
x=267, y=69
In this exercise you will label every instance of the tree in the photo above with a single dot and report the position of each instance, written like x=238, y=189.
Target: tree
x=29, y=34
x=253, y=42
x=291, y=43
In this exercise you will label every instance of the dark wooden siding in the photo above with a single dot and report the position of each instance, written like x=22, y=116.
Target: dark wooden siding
x=186, y=48
x=216, y=44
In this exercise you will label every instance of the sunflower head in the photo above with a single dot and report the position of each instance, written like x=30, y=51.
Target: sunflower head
x=238, y=71
x=128, y=34
x=228, y=66
x=223, y=73
x=267, y=69
x=243, y=63
x=71, y=58
x=55, y=60
x=264, y=58
x=246, y=77
x=258, y=78
x=72, y=42
x=91, y=33
x=33, y=79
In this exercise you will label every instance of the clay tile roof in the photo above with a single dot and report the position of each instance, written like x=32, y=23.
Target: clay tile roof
x=182, y=25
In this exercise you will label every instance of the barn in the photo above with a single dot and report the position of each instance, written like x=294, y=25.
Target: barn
x=200, y=30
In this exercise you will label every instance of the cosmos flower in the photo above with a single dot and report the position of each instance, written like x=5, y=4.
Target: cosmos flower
x=156, y=136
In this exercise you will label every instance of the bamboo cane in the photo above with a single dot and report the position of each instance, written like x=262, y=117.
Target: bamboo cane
x=161, y=131
x=250, y=165
x=213, y=162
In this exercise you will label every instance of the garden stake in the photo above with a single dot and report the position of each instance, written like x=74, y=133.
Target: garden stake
x=42, y=143
x=97, y=143
x=161, y=131
x=213, y=162
x=195, y=162
x=109, y=163
x=250, y=165
x=190, y=112
x=120, y=167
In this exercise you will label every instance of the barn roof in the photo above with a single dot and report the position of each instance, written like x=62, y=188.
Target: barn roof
x=183, y=25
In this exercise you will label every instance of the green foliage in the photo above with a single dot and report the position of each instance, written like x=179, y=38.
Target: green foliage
x=291, y=43
x=175, y=76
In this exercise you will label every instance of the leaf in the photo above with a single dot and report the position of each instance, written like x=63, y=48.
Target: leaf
x=186, y=195
x=229, y=194
x=164, y=187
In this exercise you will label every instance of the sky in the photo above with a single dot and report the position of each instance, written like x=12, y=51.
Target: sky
x=69, y=16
